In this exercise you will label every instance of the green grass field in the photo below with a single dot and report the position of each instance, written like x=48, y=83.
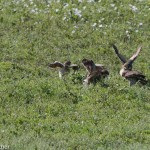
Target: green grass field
x=41, y=112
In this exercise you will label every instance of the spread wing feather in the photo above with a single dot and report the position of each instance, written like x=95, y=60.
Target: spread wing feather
x=133, y=58
x=56, y=64
x=121, y=57
x=134, y=74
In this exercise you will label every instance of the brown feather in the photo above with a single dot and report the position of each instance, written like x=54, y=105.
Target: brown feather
x=134, y=74
x=121, y=57
x=56, y=64
x=75, y=67
x=129, y=63
x=95, y=71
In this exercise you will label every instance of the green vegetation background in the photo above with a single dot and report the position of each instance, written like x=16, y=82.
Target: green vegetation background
x=39, y=111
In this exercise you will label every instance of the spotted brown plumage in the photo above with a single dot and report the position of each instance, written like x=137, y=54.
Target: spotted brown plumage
x=94, y=71
x=64, y=68
x=126, y=70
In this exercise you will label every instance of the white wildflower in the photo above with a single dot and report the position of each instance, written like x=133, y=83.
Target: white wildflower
x=65, y=18
x=66, y=5
x=2, y=131
x=76, y=27
x=31, y=2
x=115, y=8
x=77, y=12
x=136, y=31
x=36, y=9
x=94, y=24
x=73, y=31
x=112, y=5
x=134, y=8
x=35, y=23
x=25, y=5
x=127, y=32
x=57, y=10
x=140, y=24
x=84, y=7
x=33, y=11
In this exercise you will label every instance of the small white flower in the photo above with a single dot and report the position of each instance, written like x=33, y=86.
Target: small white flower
x=127, y=32
x=140, y=24
x=115, y=8
x=82, y=19
x=25, y=5
x=65, y=18
x=80, y=1
x=134, y=8
x=2, y=131
x=84, y=7
x=73, y=31
x=112, y=5
x=66, y=5
x=77, y=12
x=100, y=25
x=94, y=24
x=76, y=27
x=57, y=10
x=17, y=2
x=32, y=11
x=31, y=2
x=136, y=31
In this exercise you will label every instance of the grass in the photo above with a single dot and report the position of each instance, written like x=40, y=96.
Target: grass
x=39, y=111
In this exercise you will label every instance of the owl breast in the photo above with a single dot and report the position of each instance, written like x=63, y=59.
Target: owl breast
x=122, y=72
